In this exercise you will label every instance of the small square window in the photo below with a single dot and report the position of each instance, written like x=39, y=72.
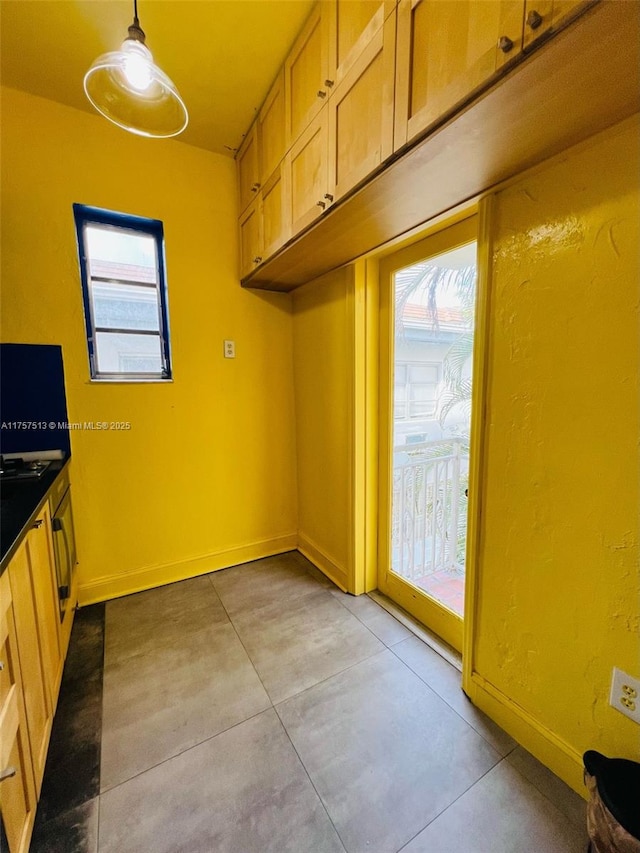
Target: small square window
x=125, y=295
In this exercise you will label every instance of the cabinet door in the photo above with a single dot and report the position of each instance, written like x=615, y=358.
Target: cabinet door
x=250, y=238
x=276, y=223
x=361, y=113
x=307, y=73
x=248, y=168
x=40, y=550
x=271, y=130
x=36, y=695
x=511, y=31
x=352, y=27
x=541, y=16
x=17, y=787
x=446, y=49
x=307, y=171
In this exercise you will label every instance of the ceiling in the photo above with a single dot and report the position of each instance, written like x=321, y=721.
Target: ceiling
x=221, y=54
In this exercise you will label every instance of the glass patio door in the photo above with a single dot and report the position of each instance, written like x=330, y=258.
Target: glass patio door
x=428, y=297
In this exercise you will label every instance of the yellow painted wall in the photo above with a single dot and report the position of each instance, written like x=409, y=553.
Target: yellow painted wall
x=558, y=598
x=322, y=335
x=206, y=475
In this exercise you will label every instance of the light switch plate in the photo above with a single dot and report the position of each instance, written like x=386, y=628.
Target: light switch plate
x=229, y=349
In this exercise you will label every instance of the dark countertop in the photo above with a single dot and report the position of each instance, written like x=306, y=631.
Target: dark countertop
x=20, y=503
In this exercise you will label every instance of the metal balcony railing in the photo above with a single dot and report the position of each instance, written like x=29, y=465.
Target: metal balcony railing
x=429, y=515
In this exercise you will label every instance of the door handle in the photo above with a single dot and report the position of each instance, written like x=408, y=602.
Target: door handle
x=58, y=526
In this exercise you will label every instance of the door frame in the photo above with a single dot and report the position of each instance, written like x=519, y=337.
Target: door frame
x=449, y=626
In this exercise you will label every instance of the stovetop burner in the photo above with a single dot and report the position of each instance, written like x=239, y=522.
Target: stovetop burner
x=19, y=469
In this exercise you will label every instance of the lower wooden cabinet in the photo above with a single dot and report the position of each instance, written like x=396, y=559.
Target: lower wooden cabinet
x=17, y=784
x=34, y=680
x=31, y=662
x=45, y=597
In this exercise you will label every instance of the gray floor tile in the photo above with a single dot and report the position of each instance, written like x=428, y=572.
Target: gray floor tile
x=163, y=701
x=383, y=751
x=377, y=620
x=73, y=831
x=314, y=571
x=243, y=791
x=502, y=813
x=446, y=681
x=572, y=806
x=254, y=586
x=72, y=771
x=297, y=643
x=158, y=617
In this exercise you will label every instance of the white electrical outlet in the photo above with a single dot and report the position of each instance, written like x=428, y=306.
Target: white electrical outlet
x=229, y=349
x=625, y=694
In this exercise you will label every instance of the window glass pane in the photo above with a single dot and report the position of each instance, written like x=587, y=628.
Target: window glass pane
x=399, y=410
x=128, y=353
x=422, y=400
x=421, y=408
x=400, y=374
x=121, y=254
x=423, y=373
x=399, y=401
x=125, y=306
x=422, y=393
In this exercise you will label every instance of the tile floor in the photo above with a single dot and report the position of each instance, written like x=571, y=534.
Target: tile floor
x=261, y=710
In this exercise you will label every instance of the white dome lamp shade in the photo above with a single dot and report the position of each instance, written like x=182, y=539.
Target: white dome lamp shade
x=132, y=92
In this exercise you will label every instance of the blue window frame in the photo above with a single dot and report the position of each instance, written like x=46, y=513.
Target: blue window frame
x=124, y=289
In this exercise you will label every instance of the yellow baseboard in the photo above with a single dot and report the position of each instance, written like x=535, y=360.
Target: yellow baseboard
x=545, y=745
x=327, y=565
x=115, y=586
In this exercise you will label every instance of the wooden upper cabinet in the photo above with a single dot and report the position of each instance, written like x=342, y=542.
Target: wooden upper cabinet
x=361, y=112
x=276, y=211
x=541, y=16
x=306, y=70
x=352, y=26
x=248, y=166
x=251, y=237
x=306, y=165
x=272, y=143
x=445, y=50
x=17, y=788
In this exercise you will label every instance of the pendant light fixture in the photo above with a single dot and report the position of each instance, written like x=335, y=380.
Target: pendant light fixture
x=132, y=92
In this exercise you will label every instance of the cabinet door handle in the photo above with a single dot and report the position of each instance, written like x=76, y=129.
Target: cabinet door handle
x=505, y=44
x=7, y=773
x=534, y=19
x=321, y=204
x=1, y=665
x=322, y=93
x=328, y=196
x=36, y=524
x=328, y=83
x=257, y=260
x=255, y=188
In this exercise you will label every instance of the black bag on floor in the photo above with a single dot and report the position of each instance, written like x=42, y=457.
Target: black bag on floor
x=613, y=811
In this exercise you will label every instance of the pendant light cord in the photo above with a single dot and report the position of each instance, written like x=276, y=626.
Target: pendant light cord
x=135, y=30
